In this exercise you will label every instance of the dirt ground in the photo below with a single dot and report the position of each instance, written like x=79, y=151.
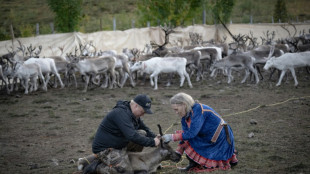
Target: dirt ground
x=46, y=132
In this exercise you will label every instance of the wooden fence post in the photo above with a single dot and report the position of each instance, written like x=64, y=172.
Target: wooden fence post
x=204, y=17
x=13, y=37
x=114, y=24
x=37, y=29
x=100, y=27
x=52, y=27
x=133, y=23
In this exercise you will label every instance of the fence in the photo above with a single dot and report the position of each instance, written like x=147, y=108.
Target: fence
x=138, y=37
x=112, y=23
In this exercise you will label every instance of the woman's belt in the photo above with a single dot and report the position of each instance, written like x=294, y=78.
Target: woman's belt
x=218, y=131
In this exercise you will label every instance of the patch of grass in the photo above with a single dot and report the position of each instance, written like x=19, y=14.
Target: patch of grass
x=4, y=110
x=61, y=150
x=91, y=138
x=80, y=110
x=38, y=101
x=74, y=103
x=55, y=128
x=203, y=96
x=99, y=107
x=168, y=95
x=275, y=158
x=297, y=168
x=47, y=122
x=47, y=107
x=18, y=115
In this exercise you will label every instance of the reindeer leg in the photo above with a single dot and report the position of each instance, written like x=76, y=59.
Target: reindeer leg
x=26, y=86
x=247, y=72
x=188, y=80
x=281, y=77
x=273, y=70
x=260, y=73
x=113, y=81
x=294, y=76
x=253, y=70
x=105, y=83
x=86, y=83
x=133, y=84
x=169, y=79
x=229, y=75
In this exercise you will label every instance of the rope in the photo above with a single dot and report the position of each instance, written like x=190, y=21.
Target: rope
x=260, y=106
x=252, y=109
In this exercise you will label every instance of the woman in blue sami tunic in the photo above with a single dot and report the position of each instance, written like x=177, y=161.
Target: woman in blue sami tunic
x=206, y=139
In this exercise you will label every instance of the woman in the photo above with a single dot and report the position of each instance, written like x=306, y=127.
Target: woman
x=206, y=138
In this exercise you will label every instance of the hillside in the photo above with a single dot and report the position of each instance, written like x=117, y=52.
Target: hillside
x=99, y=14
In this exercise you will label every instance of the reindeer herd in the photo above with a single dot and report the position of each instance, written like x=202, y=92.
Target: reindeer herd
x=25, y=68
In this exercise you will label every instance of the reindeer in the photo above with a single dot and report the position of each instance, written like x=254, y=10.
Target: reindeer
x=28, y=71
x=4, y=80
x=235, y=60
x=289, y=61
x=93, y=67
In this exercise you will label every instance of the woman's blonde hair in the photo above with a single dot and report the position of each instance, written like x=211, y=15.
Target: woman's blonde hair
x=183, y=98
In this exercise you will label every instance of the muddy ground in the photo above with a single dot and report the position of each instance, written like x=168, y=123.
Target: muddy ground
x=46, y=132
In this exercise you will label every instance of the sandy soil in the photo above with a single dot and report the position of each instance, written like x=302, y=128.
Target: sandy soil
x=46, y=132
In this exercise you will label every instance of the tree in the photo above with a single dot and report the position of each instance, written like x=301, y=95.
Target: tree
x=68, y=14
x=174, y=12
x=177, y=12
x=222, y=9
x=280, y=12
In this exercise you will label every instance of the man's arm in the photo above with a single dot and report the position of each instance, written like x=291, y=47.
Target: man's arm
x=124, y=123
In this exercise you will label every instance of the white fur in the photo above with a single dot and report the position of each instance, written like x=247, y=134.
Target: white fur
x=157, y=65
x=47, y=66
x=289, y=61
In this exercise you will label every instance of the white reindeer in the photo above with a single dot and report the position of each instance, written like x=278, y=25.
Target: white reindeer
x=157, y=65
x=47, y=66
x=289, y=61
x=28, y=71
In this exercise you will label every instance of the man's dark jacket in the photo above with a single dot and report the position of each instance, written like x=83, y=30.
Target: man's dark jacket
x=119, y=127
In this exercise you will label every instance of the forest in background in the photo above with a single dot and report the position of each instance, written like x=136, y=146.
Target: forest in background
x=98, y=15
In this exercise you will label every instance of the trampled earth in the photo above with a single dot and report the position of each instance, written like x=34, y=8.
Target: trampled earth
x=46, y=132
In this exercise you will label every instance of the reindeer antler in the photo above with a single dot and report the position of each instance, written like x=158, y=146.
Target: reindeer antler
x=161, y=134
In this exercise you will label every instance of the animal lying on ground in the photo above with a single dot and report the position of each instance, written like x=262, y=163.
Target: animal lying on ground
x=139, y=162
x=157, y=65
x=289, y=61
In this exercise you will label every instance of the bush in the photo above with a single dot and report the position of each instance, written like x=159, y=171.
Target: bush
x=26, y=30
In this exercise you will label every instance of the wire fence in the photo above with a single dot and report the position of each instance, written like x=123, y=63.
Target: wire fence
x=112, y=23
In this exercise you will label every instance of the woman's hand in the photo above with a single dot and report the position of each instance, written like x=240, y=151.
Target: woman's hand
x=167, y=138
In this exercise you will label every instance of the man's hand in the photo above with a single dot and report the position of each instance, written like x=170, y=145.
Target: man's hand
x=157, y=141
x=167, y=138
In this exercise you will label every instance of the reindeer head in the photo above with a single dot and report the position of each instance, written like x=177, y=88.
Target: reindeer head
x=167, y=151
